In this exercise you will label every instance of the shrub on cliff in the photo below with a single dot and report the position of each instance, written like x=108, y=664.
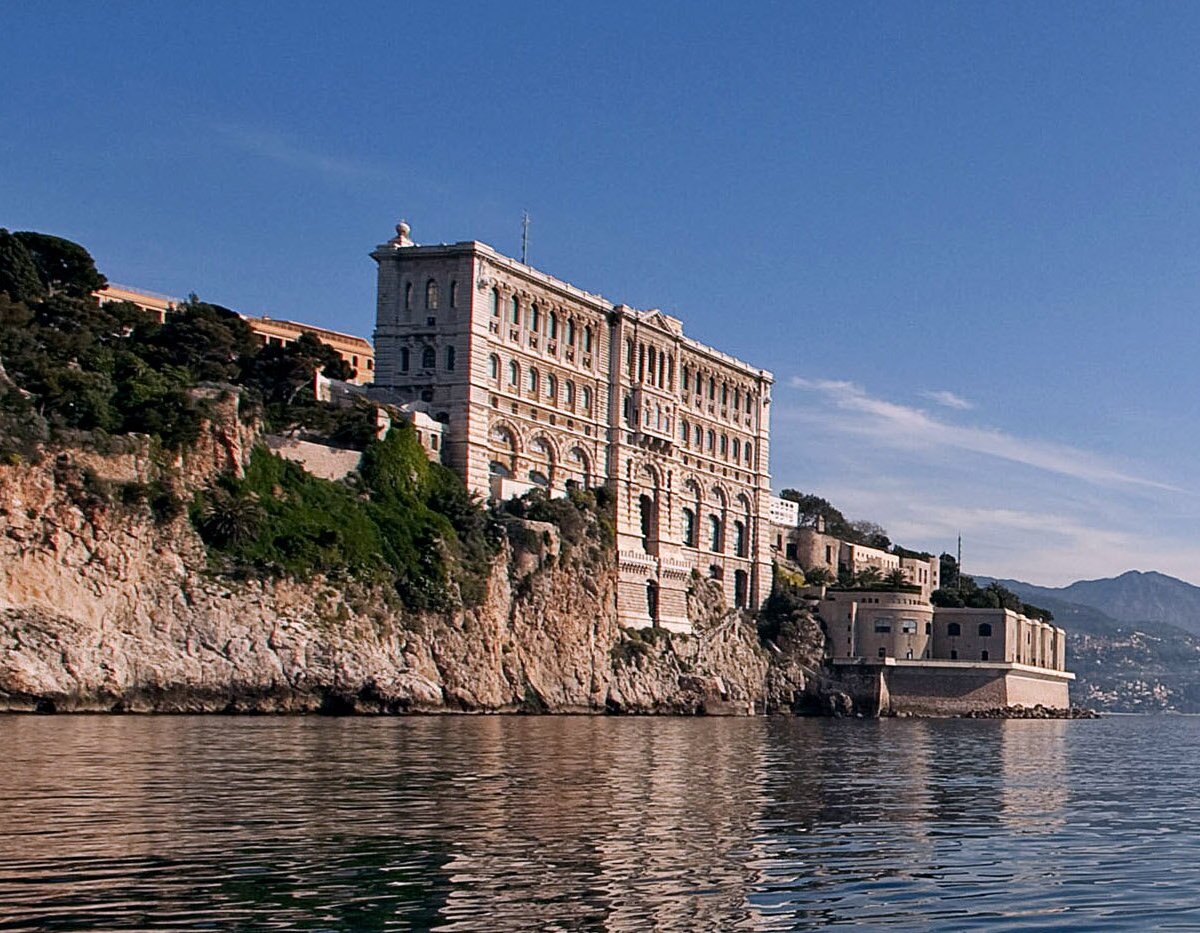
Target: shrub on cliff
x=582, y=516
x=403, y=522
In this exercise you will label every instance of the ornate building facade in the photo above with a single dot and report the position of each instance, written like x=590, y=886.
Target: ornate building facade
x=539, y=383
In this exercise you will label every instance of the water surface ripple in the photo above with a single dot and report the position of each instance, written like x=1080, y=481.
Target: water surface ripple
x=577, y=823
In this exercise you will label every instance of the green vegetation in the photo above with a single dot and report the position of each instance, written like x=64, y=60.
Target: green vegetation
x=583, y=515
x=813, y=507
x=403, y=522
x=75, y=371
x=785, y=605
x=639, y=643
x=959, y=590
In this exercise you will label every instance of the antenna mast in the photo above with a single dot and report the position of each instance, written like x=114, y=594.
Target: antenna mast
x=958, y=566
x=524, y=238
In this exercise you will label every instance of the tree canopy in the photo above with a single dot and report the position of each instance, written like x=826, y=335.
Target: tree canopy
x=73, y=364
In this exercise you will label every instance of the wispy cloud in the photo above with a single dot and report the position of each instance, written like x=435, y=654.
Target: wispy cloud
x=948, y=399
x=285, y=150
x=903, y=426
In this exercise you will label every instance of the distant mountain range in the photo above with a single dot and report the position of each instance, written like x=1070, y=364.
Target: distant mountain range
x=1133, y=641
x=1134, y=596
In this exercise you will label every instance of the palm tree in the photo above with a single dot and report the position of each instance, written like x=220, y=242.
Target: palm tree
x=868, y=576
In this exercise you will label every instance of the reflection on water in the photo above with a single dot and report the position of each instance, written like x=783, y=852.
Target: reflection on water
x=462, y=823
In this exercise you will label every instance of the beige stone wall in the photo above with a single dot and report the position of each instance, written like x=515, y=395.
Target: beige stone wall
x=945, y=689
x=875, y=624
x=332, y=463
x=810, y=549
x=354, y=350
x=1014, y=638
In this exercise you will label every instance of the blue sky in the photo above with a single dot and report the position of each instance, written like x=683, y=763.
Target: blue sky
x=965, y=237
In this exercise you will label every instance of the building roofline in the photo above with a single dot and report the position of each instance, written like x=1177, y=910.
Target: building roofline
x=599, y=302
x=310, y=328
x=140, y=292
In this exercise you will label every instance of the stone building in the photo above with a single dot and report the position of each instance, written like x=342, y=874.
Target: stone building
x=811, y=548
x=878, y=624
x=540, y=383
x=354, y=350
x=901, y=653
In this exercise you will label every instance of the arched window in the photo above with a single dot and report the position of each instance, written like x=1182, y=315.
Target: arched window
x=737, y=398
x=428, y=358
x=551, y=386
x=431, y=295
x=408, y=296
x=570, y=331
x=953, y=629
x=724, y=446
x=689, y=527
x=494, y=366
x=737, y=449
x=454, y=293
x=749, y=403
x=629, y=356
x=683, y=431
x=699, y=442
x=687, y=380
x=711, y=439
x=725, y=393
x=587, y=340
x=495, y=302
x=585, y=399
x=714, y=534
x=404, y=359
x=985, y=630
x=712, y=388
x=516, y=310
x=450, y=358
x=652, y=600
x=650, y=357
x=553, y=326
x=739, y=539
x=535, y=318
x=749, y=452
x=983, y=655
x=514, y=374
x=533, y=380
x=569, y=393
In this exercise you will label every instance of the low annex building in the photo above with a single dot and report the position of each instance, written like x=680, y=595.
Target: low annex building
x=540, y=383
x=354, y=350
x=904, y=655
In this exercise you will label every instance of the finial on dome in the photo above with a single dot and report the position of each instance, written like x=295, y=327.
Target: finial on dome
x=401, y=238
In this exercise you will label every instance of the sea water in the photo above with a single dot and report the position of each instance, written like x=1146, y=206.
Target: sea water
x=579, y=823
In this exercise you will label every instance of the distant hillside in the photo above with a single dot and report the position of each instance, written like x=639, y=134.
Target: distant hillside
x=1134, y=596
x=1122, y=665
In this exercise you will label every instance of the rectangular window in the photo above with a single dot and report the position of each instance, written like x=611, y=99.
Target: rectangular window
x=908, y=626
x=883, y=628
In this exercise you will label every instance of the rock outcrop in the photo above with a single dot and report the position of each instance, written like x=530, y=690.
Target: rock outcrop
x=107, y=606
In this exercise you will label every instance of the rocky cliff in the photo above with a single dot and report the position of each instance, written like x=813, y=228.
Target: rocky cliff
x=105, y=605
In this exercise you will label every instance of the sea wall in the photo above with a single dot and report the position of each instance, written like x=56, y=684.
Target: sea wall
x=946, y=689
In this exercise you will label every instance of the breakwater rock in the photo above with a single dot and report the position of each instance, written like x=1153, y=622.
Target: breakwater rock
x=1032, y=712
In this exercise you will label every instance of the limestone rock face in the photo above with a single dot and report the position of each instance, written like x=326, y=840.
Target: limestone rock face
x=102, y=607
